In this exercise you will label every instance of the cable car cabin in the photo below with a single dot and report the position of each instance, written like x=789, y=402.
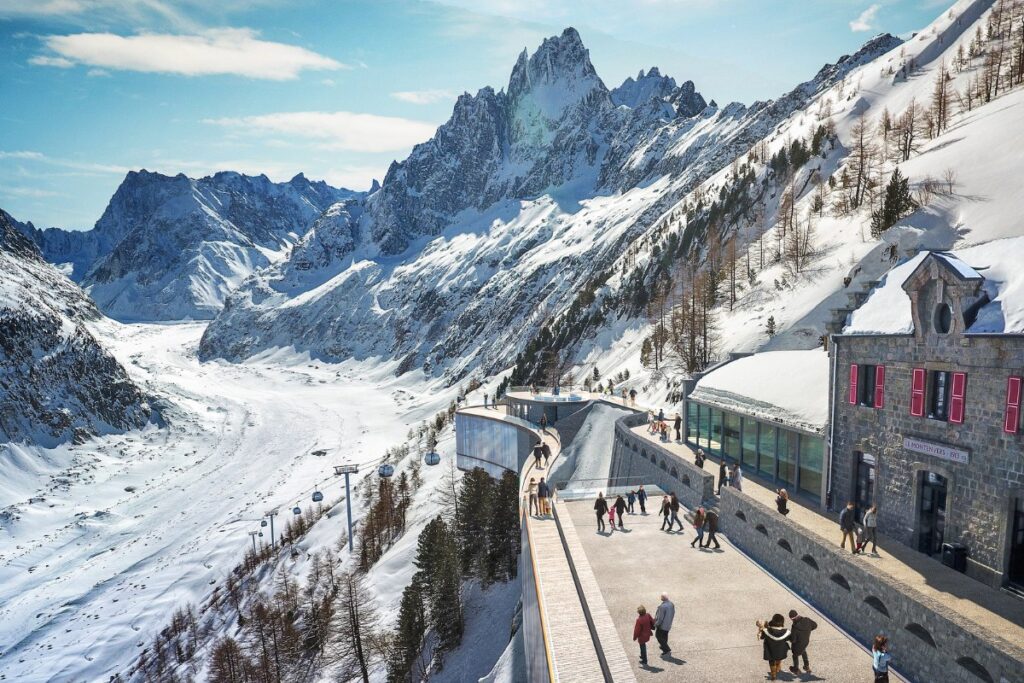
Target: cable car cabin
x=386, y=470
x=263, y=522
x=296, y=510
x=317, y=496
x=432, y=459
x=261, y=534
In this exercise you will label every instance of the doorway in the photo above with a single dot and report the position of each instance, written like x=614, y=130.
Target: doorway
x=932, y=513
x=1015, y=572
x=864, y=486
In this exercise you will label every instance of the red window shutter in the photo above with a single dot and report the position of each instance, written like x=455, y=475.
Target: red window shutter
x=1013, y=392
x=879, y=386
x=957, y=397
x=917, y=392
x=853, y=383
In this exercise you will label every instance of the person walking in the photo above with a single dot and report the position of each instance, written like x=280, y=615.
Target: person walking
x=799, y=640
x=880, y=658
x=652, y=424
x=538, y=453
x=625, y=398
x=544, y=423
x=700, y=458
x=546, y=450
x=542, y=496
x=642, y=630
x=870, y=522
x=485, y=401
x=532, y=490
x=678, y=424
x=632, y=397
x=775, y=636
x=631, y=502
x=723, y=476
x=674, y=505
x=661, y=414
x=641, y=497
x=620, y=507
x=847, y=525
x=698, y=525
x=663, y=618
x=611, y=516
x=666, y=513
x=736, y=480
x=601, y=509
x=711, y=520
x=782, y=502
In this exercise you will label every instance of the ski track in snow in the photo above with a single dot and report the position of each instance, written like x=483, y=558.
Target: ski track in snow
x=91, y=570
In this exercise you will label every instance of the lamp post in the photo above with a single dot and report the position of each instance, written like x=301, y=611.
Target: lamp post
x=273, y=539
x=347, y=470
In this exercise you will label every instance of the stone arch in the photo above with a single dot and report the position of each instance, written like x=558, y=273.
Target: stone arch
x=975, y=668
x=810, y=562
x=643, y=453
x=921, y=632
x=739, y=514
x=686, y=479
x=840, y=580
x=877, y=604
x=675, y=473
x=784, y=544
x=664, y=467
x=635, y=449
x=760, y=528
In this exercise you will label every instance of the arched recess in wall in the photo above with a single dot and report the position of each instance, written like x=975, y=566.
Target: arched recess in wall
x=921, y=632
x=784, y=544
x=664, y=467
x=760, y=528
x=810, y=562
x=975, y=668
x=840, y=580
x=643, y=453
x=877, y=604
x=675, y=473
x=740, y=515
x=686, y=480
x=634, y=449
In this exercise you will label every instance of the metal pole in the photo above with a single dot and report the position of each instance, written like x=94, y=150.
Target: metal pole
x=273, y=539
x=348, y=470
x=252, y=534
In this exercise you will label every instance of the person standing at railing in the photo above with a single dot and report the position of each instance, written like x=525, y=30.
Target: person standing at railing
x=678, y=424
x=543, y=492
x=532, y=490
x=723, y=476
x=600, y=509
x=641, y=497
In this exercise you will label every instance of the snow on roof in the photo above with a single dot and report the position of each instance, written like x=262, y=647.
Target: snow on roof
x=790, y=387
x=887, y=309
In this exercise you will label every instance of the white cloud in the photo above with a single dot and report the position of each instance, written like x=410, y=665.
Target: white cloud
x=338, y=130
x=28, y=192
x=59, y=62
x=97, y=73
x=88, y=166
x=236, y=51
x=866, y=20
x=423, y=96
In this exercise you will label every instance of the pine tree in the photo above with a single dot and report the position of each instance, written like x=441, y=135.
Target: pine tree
x=898, y=203
x=769, y=327
x=476, y=495
x=503, y=533
x=407, y=648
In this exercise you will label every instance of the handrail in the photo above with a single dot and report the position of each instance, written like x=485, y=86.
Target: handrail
x=601, y=659
x=540, y=594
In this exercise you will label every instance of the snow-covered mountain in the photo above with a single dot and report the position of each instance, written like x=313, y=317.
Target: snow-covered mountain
x=522, y=197
x=171, y=248
x=57, y=382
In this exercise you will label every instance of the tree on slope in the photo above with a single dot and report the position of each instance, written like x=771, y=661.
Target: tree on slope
x=357, y=639
x=898, y=203
x=405, y=662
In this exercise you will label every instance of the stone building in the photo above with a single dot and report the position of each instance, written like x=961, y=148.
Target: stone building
x=925, y=400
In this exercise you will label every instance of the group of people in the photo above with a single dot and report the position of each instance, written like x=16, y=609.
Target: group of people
x=620, y=506
x=541, y=451
x=859, y=534
x=539, y=494
x=780, y=641
x=659, y=625
x=657, y=424
x=727, y=475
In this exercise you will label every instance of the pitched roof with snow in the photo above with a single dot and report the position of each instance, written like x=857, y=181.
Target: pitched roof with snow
x=789, y=387
x=887, y=309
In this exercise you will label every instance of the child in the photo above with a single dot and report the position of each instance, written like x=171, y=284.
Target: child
x=611, y=516
x=880, y=659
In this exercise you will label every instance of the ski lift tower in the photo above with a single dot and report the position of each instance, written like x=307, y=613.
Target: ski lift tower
x=271, y=514
x=347, y=470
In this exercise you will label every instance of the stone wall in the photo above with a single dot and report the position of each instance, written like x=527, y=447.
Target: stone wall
x=633, y=456
x=931, y=643
x=981, y=492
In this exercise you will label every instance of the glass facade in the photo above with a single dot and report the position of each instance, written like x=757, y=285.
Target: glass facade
x=731, y=431
x=750, y=444
x=487, y=440
x=812, y=461
x=784, y=457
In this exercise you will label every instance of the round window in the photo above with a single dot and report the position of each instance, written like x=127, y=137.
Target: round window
x=943, y=318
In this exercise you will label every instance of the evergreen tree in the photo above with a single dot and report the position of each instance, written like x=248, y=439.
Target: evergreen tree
x=503, y=534
x=409, y=639
x=476, y=496
x=897, y=203
x=769, y=327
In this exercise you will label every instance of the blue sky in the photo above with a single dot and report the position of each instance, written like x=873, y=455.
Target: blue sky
x=338, y=88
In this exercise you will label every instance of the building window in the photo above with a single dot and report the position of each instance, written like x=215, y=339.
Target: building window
x=750, y=443
x=867, y=385
x=731, y=444
x=766, y=441
x=947, y=395
x=715, y=436
x=812, y=458
x=943, y=318
x=938, y=395
x=787, y=457
x=1011, y=422
x=692, y=409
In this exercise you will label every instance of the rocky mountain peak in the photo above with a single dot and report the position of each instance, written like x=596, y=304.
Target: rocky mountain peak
x=558, y=75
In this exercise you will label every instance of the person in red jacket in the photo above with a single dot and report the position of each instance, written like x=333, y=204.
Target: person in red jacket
x=642, y=631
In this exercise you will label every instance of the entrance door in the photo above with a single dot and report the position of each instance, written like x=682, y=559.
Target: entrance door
x=1015, y=573
x=932, y=513
x=864, y=491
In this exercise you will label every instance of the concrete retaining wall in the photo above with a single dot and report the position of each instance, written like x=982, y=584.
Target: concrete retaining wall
x=634, y=456
x=931, y=643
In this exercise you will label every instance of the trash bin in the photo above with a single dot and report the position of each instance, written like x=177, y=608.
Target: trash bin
x=954, y=555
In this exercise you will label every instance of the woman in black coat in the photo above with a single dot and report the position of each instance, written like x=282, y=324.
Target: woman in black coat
x=775, y=636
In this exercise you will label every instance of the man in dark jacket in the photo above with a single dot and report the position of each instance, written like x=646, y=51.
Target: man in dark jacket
x=674, y=502
x=641, y=497
x=546, y=450
x=620, y=507
x=848, y=525
x=723, y=475
x=678, y=424
x=799, y=639
x=538, y=453
x=711, y=520
x=601, y=509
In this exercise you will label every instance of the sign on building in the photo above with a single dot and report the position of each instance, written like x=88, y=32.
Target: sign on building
x=938, y=450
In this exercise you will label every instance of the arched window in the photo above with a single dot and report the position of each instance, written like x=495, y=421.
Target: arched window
x=877, y=604
x=739, y=513
x=975, y=668
x=760, y=528
x=840, y=580
x=810, y=562
x=784, y=544
x=921, y=632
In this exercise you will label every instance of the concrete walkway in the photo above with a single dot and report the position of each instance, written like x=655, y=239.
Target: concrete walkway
x=718, y=596
x=993, y=610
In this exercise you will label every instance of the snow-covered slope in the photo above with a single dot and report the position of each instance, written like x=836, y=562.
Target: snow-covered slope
x=488, y=229
x=171, y=248
x=57, y=382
